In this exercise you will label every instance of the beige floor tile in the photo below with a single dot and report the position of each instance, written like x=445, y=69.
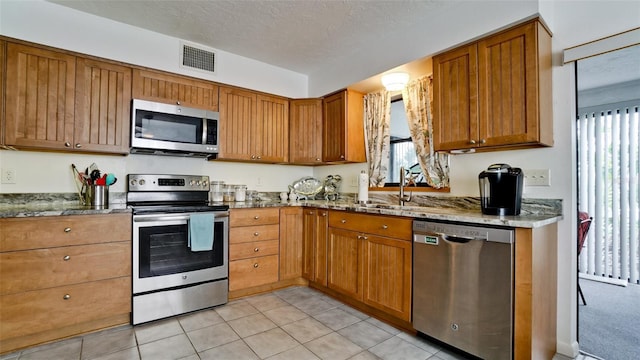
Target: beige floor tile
x=172, y=348
x=266, y=302
x=333, y=347
x=10, y=356
x=106, y=342
x=384, y=326
x=306, y=329
x=191, y=357
x=285, y=315
x=298, y=353
x=419, y=342
x=365, y=334
x=199, y=320
x=313, y=306
x=157, y=330
x=365, y=355
x=336, y=319
x=397, y=349
x=236, y=350
x=294, y=295
x=357, y=313
x=126, y=354
x=236, y=310
x=251, y=325
x=449, y=355
x=271, y=342
x=60, y=350
x=212, y=336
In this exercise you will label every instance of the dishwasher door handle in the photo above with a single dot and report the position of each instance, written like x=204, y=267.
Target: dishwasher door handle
x=458, y=239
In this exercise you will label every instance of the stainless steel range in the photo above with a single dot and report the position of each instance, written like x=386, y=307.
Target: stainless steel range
x=180, y=246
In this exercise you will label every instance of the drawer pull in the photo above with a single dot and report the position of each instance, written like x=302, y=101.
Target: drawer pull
x=343, y=221
x=385, y=227
x=324, y=214
x=66, y=297
x=67, y=144
x=66, y=258
x=256, y=217
x=255, y=265
x=256, y=233
x=256, y=249
x=68, y=229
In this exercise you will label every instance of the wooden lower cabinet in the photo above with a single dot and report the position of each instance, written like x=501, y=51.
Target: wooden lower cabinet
x=290, y=243
x=252, y=272
x=314, y=266
x=63, y=276
x=368, y=267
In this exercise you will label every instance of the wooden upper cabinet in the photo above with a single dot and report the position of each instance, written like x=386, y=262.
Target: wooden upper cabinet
x=2, y=73
x=237, y=111
x=39, y=98
x=174, y=89
x=343, y=127
x=253, y=127
x=102, y=111
x=270, y=133
x=495, y=93
x=305, y=131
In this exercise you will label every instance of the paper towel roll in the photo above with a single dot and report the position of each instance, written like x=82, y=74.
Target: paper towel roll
x=363, y=187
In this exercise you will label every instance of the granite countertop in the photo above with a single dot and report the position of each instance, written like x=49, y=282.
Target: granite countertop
x=535, y=213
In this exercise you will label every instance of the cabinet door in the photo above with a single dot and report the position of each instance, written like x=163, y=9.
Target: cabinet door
x=270, y=130
x=345, y=262
x=455, y=99
x=290, y=243
x=334, y=128
x=39, y=98
x=308, y=243
x=508, y=87
x=102, y=112
x=2, y=72
x=320, y=248
x=305, y=132
x=237, y=111
x=172, y=89
x=387, y=275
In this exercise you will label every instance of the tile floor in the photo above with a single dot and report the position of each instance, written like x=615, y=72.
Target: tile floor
x=296, y=323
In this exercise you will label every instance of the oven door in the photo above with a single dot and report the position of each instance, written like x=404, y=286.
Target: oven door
x=162, y=258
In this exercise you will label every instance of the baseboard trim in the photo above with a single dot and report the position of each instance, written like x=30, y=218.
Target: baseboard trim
x=567, y=350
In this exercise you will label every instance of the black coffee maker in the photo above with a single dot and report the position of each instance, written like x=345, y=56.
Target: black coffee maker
x=501, y=190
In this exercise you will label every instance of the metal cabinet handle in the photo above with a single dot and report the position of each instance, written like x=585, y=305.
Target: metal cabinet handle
x=256, y=233
x=66, y=258
x=258, y=157
x=343, y=221
x=253, y=157
x=67, y=229
x=255, y=265
x=385, y=227
x=256, y=249
x=324, y=214
x=472, y=142
x=66, y=297
x=483, y=141
x=341, y=156
x=256, y=217
x=78, y=146
x=67, y=144
x=317, y=159
x=177, y=102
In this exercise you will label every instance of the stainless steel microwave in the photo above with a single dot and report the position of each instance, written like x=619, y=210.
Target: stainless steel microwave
x=165, y=129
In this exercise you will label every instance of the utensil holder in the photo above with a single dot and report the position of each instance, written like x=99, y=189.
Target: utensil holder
x=97, y=196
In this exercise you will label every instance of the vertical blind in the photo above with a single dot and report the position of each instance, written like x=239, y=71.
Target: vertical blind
x=608, y=163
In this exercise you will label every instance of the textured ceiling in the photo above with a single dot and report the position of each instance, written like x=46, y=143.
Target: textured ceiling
x=297, y=35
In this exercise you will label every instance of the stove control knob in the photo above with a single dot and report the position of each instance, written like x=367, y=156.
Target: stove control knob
x=133, y=182
x=204, y=183
x=141, y=182
x=192, y=182
x=198, y=182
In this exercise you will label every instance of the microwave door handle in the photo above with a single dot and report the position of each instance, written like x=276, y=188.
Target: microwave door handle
x=204, y=130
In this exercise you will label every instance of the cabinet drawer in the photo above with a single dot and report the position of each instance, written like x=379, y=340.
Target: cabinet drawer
x=46, y=268
x=54, y=231
x=253, y=233
x=32, y=312
x=248, y=217
x=253, y=272
x=389, y=226
x=253, y=249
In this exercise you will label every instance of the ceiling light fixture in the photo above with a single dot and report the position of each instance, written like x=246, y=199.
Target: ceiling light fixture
x=395, y=81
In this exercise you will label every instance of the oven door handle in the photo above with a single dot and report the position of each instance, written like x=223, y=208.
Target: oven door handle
x=181, y=217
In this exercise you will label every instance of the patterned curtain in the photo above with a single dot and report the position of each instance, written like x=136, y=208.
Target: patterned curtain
x=377, y=117
x=418, y=98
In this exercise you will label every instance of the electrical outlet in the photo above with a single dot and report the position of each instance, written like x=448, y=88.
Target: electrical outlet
x=258, y=182
x=537, y=177
x=8, y=176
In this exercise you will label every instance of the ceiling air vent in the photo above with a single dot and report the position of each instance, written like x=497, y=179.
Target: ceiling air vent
x=198, y=58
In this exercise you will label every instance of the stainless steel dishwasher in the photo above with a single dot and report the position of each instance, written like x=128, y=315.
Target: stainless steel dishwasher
x=463, y=286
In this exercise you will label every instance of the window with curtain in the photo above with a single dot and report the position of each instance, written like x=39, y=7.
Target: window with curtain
x=402, y=152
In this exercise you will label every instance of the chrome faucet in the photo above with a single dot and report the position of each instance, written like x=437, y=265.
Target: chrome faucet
x=402, y=197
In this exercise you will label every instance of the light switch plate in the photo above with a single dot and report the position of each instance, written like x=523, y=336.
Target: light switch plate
x=537, y=177
x=8, y=176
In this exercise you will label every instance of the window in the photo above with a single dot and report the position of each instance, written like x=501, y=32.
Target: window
x=401, y=151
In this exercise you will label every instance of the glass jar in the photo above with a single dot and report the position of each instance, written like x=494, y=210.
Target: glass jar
x=228, y=194
x=217, y=191
x=241, y=192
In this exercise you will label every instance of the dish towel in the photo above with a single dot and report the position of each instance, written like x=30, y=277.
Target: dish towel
x=201, y=232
